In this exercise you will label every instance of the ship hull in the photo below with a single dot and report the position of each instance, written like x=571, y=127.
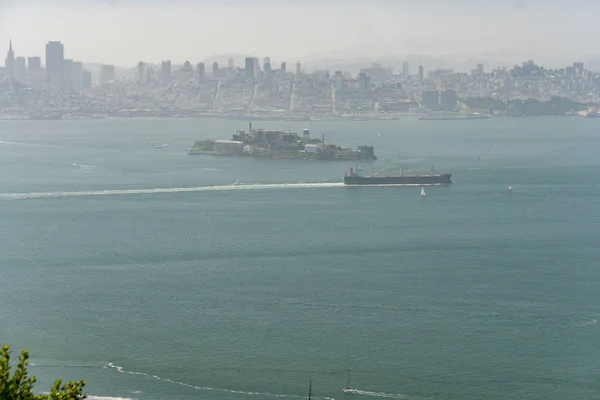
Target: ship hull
x=398, y=180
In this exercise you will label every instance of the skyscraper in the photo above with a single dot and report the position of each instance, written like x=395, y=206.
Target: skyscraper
x=55, y=57
x=77, y=76
x=186, y=72
x=107, y=73
x=215, y=70
x=421, y=72
x=267, y=64
x=67, y=78
x=86, y=80
x=141, y=72
x=34, y=67
x=165, y=71
x=20, y=68
x=284, y=67
x=364, y=82
x=10, y=62
x=298, y=68
x=256, y=67
x=405, y=69
x=150, y=74
x=200, y=72
x=480, y=70
x=251, y=68
x=34, y=64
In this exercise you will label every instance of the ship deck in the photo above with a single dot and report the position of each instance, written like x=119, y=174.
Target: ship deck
x=398, y=176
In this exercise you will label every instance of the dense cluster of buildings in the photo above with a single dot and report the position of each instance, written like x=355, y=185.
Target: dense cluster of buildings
x=63, y=88
x=58, y=72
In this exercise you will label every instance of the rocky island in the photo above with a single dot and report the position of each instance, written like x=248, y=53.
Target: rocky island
x=281, y=144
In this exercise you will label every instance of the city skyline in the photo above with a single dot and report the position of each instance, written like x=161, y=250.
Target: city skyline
x=276, y=91
x=398, y=63
x=127, y=32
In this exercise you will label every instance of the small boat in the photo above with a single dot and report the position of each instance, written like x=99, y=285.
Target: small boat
x=509, y=188
x=348, y=389
x=237, y=182
x=157, y=146
x=423, y=194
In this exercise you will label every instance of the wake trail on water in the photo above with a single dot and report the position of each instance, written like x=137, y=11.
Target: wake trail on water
x=120, y=369
x=115, y=192
x=33, y=144
x=258, y=186
x=208, y=388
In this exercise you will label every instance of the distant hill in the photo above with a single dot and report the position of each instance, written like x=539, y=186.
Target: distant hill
x=592, y=62
x=351, y=61
x=354, y=65
x=348, y=61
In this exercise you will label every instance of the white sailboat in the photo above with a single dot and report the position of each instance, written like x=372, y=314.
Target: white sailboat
x=423, y=192
x=348, y=389
x=509, y=187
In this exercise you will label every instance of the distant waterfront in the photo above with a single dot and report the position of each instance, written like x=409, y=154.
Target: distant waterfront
x=377, y=117
x=225, y=117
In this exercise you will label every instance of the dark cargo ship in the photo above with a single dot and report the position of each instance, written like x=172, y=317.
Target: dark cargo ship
x=355, y=178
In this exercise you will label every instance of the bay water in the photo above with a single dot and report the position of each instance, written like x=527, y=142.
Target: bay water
x=151, y=275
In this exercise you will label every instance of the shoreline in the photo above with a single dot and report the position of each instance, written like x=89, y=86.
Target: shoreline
x=412, y=116
x=222, y=117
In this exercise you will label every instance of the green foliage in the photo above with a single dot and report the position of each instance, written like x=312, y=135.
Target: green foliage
x=20, y=385
x=203, y=145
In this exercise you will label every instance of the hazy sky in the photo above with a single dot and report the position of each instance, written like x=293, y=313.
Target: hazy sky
x=126, y=31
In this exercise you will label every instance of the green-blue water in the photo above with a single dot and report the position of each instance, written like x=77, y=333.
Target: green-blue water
x=473, y=292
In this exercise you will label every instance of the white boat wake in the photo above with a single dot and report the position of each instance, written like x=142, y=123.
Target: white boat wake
x=387, y=395
x=207, y=388
x=234, y=186
x=115, y=192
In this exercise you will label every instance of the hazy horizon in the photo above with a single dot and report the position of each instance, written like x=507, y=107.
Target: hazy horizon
x=123, y=32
